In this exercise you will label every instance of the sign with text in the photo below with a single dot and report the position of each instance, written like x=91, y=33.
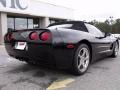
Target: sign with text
x=35, y=8
x=14, y=4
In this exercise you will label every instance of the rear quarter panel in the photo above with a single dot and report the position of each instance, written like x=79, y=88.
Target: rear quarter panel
x=74, y=36
x=62, y=37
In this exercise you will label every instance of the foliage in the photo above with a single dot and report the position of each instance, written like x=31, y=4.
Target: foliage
x=107, y=26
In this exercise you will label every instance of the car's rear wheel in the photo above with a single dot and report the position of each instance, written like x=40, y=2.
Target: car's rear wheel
x=81, y=60
x=115, y=50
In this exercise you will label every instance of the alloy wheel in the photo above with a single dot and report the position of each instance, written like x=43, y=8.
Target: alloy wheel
x=83, y=59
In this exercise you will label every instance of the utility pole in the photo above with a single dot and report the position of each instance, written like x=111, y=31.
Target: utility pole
x=111, y=23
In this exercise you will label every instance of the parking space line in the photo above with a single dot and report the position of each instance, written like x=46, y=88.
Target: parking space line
x=60, y=84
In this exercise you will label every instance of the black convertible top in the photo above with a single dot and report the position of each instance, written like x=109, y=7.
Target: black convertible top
x=67, y=22
x=77, y=25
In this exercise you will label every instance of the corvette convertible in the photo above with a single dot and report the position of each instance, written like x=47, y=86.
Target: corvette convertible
x=70, y=45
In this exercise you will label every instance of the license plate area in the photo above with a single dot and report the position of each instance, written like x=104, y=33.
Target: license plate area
x=20, y=45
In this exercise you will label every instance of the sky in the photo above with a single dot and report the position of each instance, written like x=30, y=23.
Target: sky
x=91, y=9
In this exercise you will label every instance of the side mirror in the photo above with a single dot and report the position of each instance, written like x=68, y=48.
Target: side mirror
x=107, y=34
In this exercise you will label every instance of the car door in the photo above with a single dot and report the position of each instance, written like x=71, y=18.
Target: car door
x=101, y=44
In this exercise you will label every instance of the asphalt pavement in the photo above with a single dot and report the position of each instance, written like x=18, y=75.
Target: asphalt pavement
x=17, y=75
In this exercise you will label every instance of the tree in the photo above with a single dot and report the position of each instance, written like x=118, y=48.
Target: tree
x=106, y=26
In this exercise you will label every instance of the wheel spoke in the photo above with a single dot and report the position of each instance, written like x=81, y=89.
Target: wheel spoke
x=80, y=63
x=84, y=52
x=87, y=58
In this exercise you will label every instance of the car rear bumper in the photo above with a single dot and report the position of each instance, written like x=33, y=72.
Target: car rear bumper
x=35, y=52
x=43, y=54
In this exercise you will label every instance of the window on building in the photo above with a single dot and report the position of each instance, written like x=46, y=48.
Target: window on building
x=10, y=23
x=35, y=23
x=30, y=23
x=18, y=23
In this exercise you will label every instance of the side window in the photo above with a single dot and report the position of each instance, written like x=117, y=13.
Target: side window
x=93, y=30
x=80, y=27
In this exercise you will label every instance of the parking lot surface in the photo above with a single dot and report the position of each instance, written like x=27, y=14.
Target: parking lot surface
x=16, y=75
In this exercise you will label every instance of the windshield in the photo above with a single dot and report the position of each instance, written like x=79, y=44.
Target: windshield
x=67, y=26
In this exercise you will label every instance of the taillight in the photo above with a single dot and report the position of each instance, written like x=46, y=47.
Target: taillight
x=44, y=36
x=33, y=36
x=8, y=37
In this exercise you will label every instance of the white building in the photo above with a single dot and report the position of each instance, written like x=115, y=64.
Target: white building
x=26, y=14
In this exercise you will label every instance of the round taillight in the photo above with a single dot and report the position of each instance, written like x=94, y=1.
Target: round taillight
x=44, y=36
x=9, y=37
x=33, y=36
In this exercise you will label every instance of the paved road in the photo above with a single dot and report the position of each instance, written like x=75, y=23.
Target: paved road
x=16, y=75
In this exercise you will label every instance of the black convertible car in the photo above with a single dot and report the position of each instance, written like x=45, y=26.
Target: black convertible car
x=67, y=45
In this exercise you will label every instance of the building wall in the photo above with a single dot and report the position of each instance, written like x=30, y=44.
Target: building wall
x=0, y=30
x=35, y=8
x=31, y=8
x=43, y=22
x=3, y=26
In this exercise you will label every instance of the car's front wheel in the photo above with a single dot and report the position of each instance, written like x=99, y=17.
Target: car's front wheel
x=81, y=60
x=115, y=50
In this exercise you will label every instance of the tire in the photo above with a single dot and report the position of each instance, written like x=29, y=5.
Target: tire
x=115, y=50
x=81, y=60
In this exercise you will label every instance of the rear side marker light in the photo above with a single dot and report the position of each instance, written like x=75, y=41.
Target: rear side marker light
x=44, y=36
x=70, y=46
x=33, y=36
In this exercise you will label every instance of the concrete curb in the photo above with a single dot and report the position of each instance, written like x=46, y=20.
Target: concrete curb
x=2, y=46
